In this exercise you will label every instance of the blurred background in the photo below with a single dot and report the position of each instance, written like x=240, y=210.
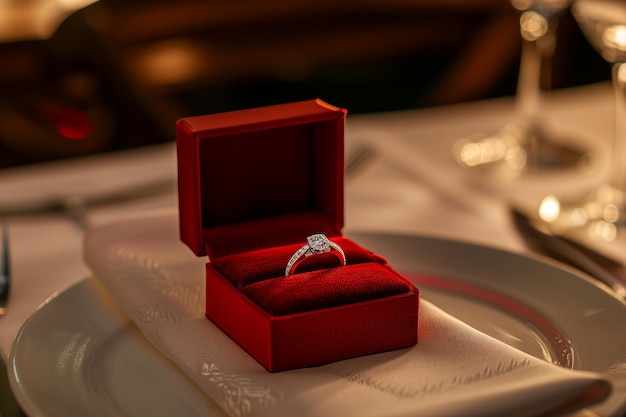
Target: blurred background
x=80, y=77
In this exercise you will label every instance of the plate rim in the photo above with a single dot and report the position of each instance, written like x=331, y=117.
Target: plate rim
x=25, y=400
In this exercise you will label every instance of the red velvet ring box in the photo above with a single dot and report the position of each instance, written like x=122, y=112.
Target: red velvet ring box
x=253, y=185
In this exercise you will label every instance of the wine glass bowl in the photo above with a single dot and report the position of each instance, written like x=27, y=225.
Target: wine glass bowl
x=545, y=7
x=603, y=23
x=598, y=219
x=527, y=143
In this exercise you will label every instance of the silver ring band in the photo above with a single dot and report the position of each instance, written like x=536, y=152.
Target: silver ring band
x=317, y=244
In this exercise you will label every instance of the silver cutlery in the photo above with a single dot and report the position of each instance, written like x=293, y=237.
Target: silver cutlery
x=5, y=270
x=357, y=157
x=76, y=206
x=539, y=237
x=8, y=404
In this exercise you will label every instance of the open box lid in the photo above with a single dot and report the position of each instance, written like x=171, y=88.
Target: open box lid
x=260, y=178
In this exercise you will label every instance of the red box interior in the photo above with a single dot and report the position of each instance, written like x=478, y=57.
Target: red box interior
x=260, y=178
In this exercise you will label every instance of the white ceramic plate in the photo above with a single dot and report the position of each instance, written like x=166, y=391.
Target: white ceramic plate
x=79, y=354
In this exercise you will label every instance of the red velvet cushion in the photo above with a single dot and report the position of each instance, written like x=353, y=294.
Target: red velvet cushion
x=325, y=288
x=318, y=282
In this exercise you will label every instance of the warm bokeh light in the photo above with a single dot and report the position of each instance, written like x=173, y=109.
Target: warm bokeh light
x=500, y=148
x=521, y=4
x=614, y=37
x=171, y=62
x=549, y=208
x=598, y=217
x=473, y=154
x=533, y=26
x=516, y=158
x=603, y=230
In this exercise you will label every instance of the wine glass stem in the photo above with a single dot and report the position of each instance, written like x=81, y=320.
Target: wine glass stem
x=619, y=139
x=535, y=73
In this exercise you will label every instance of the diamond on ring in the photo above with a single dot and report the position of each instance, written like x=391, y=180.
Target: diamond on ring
x=317, y=244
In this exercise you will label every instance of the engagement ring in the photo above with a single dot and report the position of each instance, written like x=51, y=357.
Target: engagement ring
x=316, y=245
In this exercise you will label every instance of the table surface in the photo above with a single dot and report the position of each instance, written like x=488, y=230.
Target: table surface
x=411, y=185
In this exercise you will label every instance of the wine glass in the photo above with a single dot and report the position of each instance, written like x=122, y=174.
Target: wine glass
x=525, y=143
x=599, y=218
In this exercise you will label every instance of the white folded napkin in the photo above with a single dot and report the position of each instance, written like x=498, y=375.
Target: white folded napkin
x=454, y=370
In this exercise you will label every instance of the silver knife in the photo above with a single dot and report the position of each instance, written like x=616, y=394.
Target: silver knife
x=538, y=236
x=5, y=271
